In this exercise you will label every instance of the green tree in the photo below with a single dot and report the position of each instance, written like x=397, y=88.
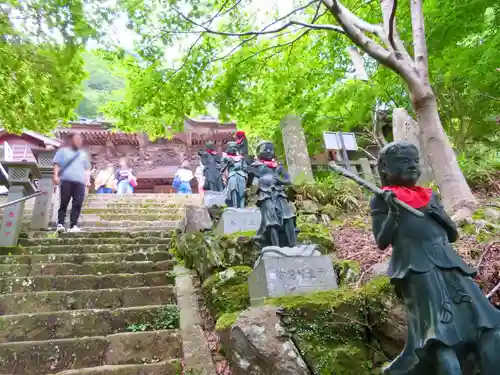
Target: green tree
x=101, y=85
x=41, y=69
x=257, y=72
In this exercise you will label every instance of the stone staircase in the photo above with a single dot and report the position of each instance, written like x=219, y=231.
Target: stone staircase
x=100, y=302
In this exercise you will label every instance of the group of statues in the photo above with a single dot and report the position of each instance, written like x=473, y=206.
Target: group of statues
x=278, y=226
x=452, y=327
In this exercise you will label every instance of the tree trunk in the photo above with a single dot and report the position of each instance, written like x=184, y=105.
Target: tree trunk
x=404, y=127
x=457, y=196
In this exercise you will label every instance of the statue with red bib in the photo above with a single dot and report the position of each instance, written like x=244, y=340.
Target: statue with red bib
x=235, y=166
x=211, y=161
x=449, y=318
x=242, y=144
x=277, y=226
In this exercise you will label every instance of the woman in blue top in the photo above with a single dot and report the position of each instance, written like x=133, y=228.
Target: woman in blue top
x=123, y=176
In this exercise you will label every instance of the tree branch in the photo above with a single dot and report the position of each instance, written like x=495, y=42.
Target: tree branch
x=354, y=27
x=273, y=47
x=392, y=24
x=263, y=31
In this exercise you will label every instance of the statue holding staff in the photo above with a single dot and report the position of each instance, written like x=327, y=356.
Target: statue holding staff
x=449, y=317
x=277, y=226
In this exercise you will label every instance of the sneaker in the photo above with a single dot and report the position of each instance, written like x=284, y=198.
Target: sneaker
x=60, y=228
x=75, y=229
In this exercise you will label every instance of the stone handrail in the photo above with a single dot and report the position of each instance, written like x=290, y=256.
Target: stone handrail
x=10, y=203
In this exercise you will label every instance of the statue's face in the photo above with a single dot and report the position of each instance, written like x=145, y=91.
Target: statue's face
x=403, y=167
x=267, y=151
x=232, y=148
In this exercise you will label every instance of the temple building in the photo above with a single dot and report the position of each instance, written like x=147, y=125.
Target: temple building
x=155, y=162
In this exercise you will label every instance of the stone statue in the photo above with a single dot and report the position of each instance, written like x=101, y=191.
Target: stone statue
x=450, y=320
x=277, y=226
x=211, y=161
x=242, y=145
x=236, y=176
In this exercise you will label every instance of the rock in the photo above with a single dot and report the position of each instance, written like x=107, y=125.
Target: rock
x=227, y=291
x=308, y=207
x=380, y=269
x=492, y=213
x=257, y=345
x=348, y=271
x=318, y=234
x=392, y=331
x=197, y=219
x=208, y=254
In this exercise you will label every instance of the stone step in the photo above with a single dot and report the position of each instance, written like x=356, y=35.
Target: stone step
x=160, y=368
x=113, y=225
x=72, y=324
x=150, y=232
x=84, y=258
x=41, y=302
x=87, y=249
x=135, y=229
x=43, y=357
x=133, y=211
x=90, y=268
x=78, y=282
x=118, y=217
x=95, y=239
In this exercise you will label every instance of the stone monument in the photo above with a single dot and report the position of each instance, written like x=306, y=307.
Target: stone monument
x=289, y=271
x=238, y=220
x=297, y=156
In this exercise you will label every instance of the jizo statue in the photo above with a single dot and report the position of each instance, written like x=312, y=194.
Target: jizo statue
x=449, y=318
x=236, y=176
x=242, y=144
x=211, y=161
x=277, y=226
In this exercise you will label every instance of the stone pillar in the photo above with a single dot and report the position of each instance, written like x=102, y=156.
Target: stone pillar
x=405, y=128
x=21, y=175
x=297, y=156
x=43, y=203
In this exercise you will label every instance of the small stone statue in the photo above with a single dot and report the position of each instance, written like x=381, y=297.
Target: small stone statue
x=236, y=176
x=277, y=226
x=211, y=161
x=242, y=144
x=450, y=320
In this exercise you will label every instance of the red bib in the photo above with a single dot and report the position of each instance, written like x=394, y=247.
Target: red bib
x=415, y=196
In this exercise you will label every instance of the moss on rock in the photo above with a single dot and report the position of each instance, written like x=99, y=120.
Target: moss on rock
x=227, y=291
x=208, y=254
x=332, y=329
x=318, y=234
x=226, y=321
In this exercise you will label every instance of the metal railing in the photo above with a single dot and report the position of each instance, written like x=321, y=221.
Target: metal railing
x=15, y=201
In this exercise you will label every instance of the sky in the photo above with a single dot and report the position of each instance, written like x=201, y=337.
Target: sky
x=120, y=35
